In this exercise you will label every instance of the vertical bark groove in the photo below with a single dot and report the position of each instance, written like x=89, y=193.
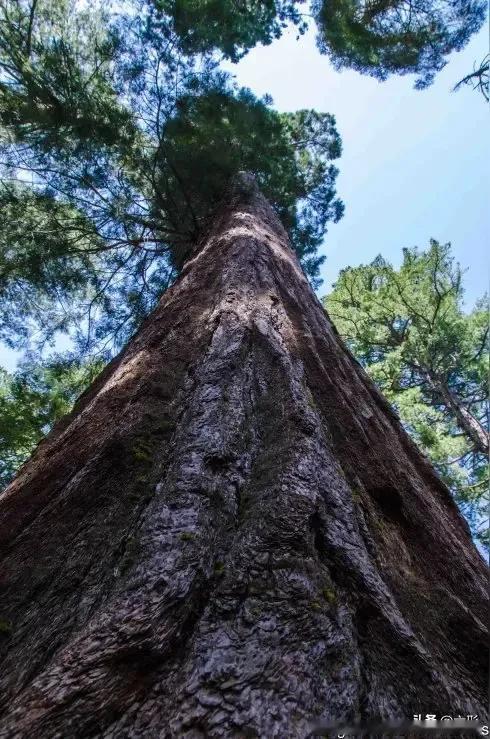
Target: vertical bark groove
x=232, y=535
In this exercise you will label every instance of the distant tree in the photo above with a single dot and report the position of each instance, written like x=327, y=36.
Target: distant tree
x=385, y=37
x=32, y=399
x=408, y=329
x=115, y=147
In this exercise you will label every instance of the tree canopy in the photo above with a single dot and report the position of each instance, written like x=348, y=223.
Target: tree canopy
x=385, y=37
x=378, y=38
x=229, y=26
x=116, y=146
x=408, y=328
x=118, y=132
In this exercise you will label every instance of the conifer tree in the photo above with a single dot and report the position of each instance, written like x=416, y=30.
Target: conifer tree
x=409, y=330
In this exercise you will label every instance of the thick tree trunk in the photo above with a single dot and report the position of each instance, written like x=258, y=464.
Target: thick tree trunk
x=232, y=535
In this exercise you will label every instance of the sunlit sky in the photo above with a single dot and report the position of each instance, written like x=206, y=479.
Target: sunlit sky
x=414, y=166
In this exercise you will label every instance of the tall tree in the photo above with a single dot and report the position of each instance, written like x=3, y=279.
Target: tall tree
x=408, y=329
x=232, y=534
x=115, y=148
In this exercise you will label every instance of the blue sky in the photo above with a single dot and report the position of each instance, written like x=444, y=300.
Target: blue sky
x=414, y=165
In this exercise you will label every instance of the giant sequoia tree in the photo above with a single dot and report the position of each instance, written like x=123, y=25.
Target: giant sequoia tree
x=232, y=535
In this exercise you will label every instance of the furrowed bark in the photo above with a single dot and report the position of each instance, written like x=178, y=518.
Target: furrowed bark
x=232, y=535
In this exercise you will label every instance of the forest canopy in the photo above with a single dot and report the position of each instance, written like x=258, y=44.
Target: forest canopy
x=119, y=130
x=378, y=38
x=386, y=37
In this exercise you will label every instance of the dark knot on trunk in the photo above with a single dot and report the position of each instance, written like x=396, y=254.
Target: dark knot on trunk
x=243, y=186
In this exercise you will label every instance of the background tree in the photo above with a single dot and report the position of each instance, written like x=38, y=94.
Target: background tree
x=115, y=147
x=408, y=328
x=32, y=400
x=384, y=37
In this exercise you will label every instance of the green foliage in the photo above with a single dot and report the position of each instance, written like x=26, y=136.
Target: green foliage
x=379, y=38
x=230, y=26
x=384, y=37
x=116, y=146
x=220, y=133
x=41, y=273
x=408, y=329
x=32, y=400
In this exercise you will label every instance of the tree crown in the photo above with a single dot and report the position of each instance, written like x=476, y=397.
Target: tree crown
x=386, y=37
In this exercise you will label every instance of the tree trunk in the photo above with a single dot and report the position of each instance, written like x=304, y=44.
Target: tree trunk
x=465, y=420
x=232, y=535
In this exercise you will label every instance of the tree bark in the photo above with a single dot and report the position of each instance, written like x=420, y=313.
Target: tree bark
x=232, y=535
x=465, y=420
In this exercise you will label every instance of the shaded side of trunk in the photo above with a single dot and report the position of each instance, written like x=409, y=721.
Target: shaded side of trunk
x=232, y=535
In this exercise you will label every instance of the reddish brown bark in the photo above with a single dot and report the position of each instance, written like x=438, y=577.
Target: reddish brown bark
x=232, y=535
